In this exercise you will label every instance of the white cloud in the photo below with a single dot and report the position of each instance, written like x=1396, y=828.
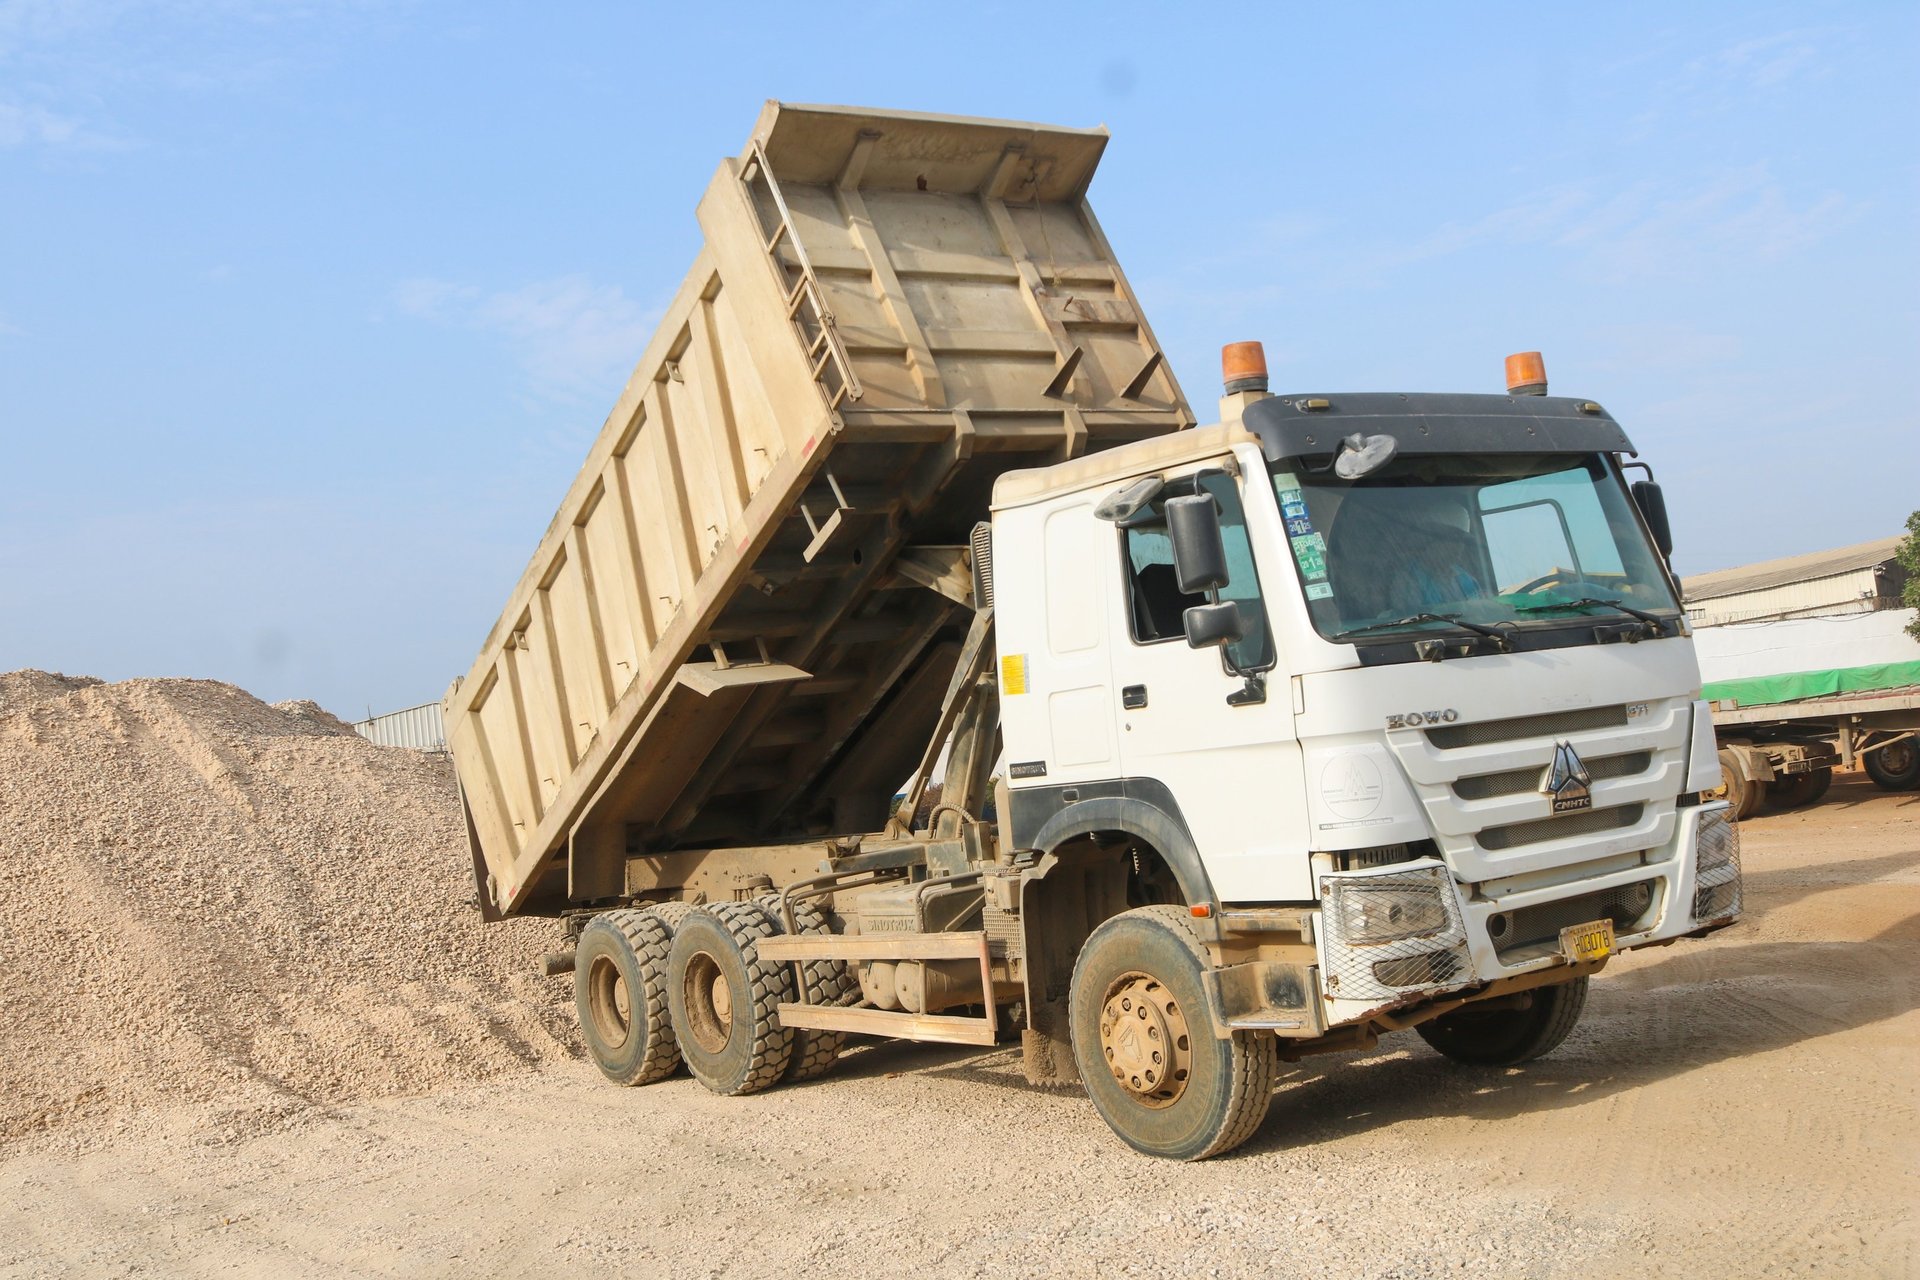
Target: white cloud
x=1741, y=215
x=25, y=126
x=78, y=73
x=577, y=340
x=1648, y=228
x=1761, y=63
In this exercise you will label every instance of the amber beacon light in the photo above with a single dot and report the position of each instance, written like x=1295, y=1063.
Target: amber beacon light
x=1526, y=374
x=1243, y=366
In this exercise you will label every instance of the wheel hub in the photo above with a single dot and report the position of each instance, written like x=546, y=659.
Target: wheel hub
x=709, y=1003
x=611, y=1007
x=1145, y=1039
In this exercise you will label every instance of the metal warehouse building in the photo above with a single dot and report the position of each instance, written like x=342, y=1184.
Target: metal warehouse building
x=1857, y=579
x=423, y=728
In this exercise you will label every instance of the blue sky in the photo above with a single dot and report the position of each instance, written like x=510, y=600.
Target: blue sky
x=308, y=311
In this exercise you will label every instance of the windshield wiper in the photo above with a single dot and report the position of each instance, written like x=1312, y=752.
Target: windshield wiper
x=1452, y=619
x=1592, y=602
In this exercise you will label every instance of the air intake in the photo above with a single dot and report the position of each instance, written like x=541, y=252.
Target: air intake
x=981, y=542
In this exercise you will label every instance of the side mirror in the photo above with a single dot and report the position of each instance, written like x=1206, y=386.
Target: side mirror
x=1209, y=626
x=1653, y=509
x=1199, y=556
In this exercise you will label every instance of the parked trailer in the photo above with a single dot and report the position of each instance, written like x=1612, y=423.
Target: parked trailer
x=1794, y=698
x=904, y=479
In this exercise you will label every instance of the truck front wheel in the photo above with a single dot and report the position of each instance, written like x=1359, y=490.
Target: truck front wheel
x=1507, y=1037
x=1894, y=767
x=1145, y=1044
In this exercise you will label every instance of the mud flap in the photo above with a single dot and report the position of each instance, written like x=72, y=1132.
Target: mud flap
x=1047, y=1060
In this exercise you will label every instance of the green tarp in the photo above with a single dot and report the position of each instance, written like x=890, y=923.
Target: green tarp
x=1759, y=691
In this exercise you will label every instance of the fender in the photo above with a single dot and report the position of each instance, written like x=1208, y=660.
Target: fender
x=1044, y=818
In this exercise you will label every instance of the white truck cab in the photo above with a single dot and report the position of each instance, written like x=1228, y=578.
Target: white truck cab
x=1448, y=737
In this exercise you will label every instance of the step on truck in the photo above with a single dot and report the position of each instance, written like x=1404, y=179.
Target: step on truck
x=1223, y=745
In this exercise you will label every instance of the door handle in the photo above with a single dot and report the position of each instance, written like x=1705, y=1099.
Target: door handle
x=1133, y=697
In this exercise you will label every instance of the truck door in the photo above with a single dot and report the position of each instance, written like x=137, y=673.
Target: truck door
x=1231, y=767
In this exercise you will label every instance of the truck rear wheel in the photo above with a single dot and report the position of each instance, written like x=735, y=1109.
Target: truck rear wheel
x=1509, y=1037
x=1796, y=791
x=1144, y=1041
x=725, y=1000
x=670, y=914
x=828, y=983
x=1894, y=767
x=620, y=993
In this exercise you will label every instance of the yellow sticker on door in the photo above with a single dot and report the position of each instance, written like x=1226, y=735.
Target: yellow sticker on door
x=1013, y=674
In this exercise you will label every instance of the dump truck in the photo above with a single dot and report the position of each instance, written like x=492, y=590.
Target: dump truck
x=1222, y=745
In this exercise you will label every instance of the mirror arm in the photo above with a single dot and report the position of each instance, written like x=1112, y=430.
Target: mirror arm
x=1252, y=693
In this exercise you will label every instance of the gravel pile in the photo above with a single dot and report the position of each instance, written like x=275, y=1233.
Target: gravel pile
x=209, y=899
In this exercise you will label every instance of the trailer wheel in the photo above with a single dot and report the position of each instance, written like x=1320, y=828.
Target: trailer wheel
x=1509, y=1037
x=829, y=982
x=1894, y=767
x=1744, y=793
x=1799, y=790
x=1144, y=1041
x=620, y=993
x=725, y=1000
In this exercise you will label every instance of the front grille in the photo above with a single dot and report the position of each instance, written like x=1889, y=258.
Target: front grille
x=1627, y=905
x=1555, y=724
x=1515, y=782
x=1584, y=823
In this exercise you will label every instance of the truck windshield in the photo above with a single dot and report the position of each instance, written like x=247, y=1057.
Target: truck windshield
x=1431, y=542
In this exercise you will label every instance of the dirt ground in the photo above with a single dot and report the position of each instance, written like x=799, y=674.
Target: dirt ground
x=1743, y=1106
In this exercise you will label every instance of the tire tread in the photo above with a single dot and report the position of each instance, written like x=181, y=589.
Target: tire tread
x=828, y=982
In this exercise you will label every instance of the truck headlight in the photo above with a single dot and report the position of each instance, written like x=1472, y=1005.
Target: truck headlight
x=1386, y=911
x=1718, y=841
x=1716, y=867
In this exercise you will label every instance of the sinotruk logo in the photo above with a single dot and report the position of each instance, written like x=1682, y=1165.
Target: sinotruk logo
x=1566, y=782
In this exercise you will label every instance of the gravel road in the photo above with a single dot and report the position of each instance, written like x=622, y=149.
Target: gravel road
x=1743, y=1106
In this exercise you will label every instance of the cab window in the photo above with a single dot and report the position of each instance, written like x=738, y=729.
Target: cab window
x=1155, y=603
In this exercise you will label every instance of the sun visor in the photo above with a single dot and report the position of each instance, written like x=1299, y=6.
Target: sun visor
x=1310, y=426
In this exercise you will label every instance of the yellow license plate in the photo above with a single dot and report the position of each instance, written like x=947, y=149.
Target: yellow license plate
x=1585, y=943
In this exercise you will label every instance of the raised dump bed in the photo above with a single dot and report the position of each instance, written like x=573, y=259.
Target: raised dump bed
x=740, y=623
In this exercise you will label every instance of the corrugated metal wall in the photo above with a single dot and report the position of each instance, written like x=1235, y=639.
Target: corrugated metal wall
x=1852, y=592
x=421, y=728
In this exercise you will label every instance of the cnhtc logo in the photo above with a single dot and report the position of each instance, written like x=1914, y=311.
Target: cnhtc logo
x=1566, y=782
